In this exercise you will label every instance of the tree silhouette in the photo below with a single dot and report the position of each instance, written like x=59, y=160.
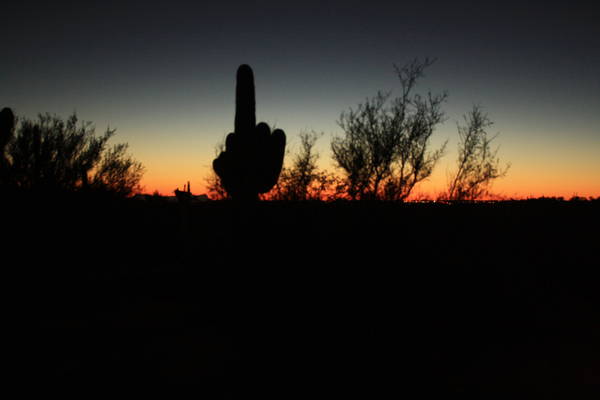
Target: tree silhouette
x=52, y=154
x=253, y=156
x=478, y=164
x=384, y=149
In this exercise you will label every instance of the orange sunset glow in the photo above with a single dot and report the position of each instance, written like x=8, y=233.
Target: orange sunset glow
x=339, y=199
x=555, y=168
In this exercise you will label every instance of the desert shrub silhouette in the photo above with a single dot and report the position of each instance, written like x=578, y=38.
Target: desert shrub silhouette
x=55, y=155
x=384, y=151
x=253, y=156
x=303, y=180
x=478, y=165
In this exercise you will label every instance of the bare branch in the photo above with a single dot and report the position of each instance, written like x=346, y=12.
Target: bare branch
x=477, y=164
x=384, y=150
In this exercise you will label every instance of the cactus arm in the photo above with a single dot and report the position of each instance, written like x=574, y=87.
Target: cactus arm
x=278, y=151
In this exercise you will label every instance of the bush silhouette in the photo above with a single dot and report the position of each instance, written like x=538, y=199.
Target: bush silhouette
x=253, y=156
x=55, y=155
x=303, y=180
x=384, y=151
x=478, y=165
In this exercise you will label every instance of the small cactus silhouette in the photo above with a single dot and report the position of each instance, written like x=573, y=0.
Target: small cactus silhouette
x=253, y=155
x=7, y=124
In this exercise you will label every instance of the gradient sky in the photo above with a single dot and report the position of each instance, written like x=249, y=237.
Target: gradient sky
x=163, y=75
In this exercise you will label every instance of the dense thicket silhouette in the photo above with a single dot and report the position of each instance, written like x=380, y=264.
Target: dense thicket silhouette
x=52, y=154
x=477, y=164
x=384, y=150
x=253, y=156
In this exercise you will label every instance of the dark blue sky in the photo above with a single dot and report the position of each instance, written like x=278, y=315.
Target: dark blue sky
x=163, y=75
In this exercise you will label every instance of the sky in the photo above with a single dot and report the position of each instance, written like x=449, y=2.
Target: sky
x=163, y=75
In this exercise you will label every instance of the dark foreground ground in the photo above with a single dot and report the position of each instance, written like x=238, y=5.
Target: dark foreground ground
x=305, y=300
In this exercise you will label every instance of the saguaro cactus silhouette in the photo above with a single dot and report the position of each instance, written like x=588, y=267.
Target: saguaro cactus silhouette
x=253, y=155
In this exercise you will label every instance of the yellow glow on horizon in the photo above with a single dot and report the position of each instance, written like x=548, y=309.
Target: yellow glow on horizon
x=510, y=187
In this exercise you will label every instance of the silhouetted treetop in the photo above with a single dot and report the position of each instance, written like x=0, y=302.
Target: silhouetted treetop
x=477, y=164
x=384, y=150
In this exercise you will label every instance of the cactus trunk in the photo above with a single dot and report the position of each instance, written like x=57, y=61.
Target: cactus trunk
x=245, y=103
